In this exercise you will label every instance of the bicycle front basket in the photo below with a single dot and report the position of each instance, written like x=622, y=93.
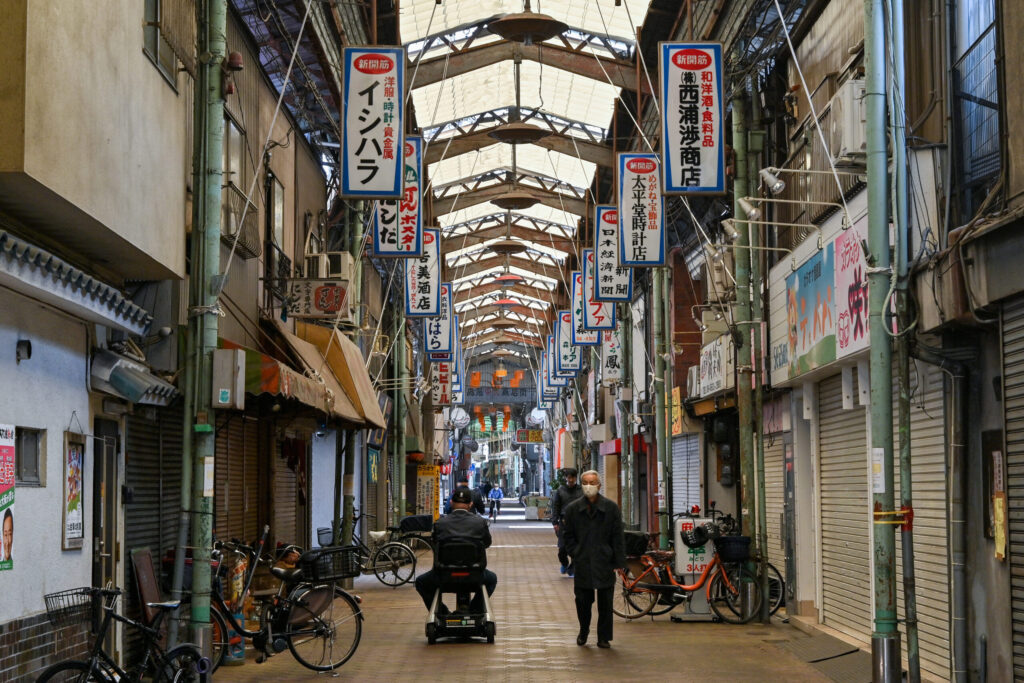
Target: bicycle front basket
x=330, y=564
x=733, y=548
x=636, y=543
x=65, y=608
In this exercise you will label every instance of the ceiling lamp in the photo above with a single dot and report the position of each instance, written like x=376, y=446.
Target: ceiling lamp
x=515, y=199
x=515, y=133
x=501, y=371
x=527, y=27
x=508, y=279
x=506, y=302
x=506, y=247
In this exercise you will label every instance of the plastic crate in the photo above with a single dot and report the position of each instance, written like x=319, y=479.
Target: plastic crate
x=331, y=564
x=733, y=548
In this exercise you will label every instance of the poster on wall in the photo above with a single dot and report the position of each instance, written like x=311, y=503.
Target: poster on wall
x=851, y=294
x=73, y=503
x=7, y=471
x=423, y=278
x=373, y=107
x=810, y=313
x=398, y=225
x=691, y=96
x=428, y=478
x=641, y=211
x=612, y=282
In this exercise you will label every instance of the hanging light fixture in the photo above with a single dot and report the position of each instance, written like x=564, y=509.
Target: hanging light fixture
x=527, y=27
x=501, y=371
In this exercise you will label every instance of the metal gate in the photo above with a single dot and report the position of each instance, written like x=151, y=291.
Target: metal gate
x=846, y=587
x=685, y=472
x=236, y=477
x=774, y=498
x=1013, y=405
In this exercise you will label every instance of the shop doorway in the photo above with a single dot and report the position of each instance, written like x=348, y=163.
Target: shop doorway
x=104, y=502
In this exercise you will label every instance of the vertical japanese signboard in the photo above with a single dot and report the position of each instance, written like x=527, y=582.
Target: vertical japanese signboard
x=851, y=290
x=423, y=278
x=441, y=383
x=398, y=225
x=7, y=471
x=373, y=122
x=641, y=211
x=555, y=377
x=428, y=479
x=546, y=392
x=581, y=336
x=612, y=282
x=437, y=331
x=567, y=355
x=611, y=357
x=693, y=148
x=597, y=315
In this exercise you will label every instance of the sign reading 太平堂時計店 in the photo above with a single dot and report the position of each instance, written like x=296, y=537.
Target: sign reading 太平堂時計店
x=641, y=211
x=373, y=122
x=398, y=225
x=7, y=470
x=693, y=148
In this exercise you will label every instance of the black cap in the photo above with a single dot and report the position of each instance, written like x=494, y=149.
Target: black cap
x=462, y=496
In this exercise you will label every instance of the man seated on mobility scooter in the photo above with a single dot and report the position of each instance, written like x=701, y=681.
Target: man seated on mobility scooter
x=460, y=567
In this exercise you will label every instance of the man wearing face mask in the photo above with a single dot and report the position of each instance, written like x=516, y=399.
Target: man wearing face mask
x=564, y=495
x=592, y=529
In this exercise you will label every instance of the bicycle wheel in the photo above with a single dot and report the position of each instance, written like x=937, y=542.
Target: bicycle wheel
x=726, y=597
x=423, y=551
x=665, y=603
x=181, y=664
x=776, y=590
x=327, y=640
x=393, y=564
x=218, y=638
x=71, y=670
x=631, y=604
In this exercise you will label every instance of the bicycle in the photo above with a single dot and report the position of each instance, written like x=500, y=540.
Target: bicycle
x=638, y=596
x=776, y=584
x=183, y=663
x=392, y=562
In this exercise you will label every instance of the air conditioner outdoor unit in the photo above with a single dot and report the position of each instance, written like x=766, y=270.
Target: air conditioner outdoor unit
x=330, y=265
x=693, y=381
x=720, y=286
x=849, y=117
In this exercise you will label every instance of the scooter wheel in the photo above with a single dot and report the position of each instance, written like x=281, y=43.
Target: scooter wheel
x=431, y=634
x=489, y=630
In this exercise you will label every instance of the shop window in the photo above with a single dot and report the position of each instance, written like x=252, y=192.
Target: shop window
x=28, y=456
x=155, y=44
x=234, y=143
x=276, y=213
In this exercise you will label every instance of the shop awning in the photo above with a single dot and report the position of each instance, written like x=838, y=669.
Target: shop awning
x=267, y=375
x=129, y=379
x=346, y=361
x=318, y=368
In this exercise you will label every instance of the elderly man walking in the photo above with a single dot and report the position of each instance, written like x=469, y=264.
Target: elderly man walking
x=592, y=527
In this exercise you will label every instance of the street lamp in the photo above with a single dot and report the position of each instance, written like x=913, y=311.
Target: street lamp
x=753, y=213
x=774, y=183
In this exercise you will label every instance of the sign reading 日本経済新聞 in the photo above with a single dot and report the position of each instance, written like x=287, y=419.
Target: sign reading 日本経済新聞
x=641, y=211
x=612, y=282
x=373, y=122
x=597, y=315
x=398, y=225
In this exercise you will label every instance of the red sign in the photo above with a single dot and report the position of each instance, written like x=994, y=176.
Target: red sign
x=692, y=59
x=640, y=166
x=611, y=217
x=374, y=64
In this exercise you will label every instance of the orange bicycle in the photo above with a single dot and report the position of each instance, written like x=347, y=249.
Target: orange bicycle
x=637, y=595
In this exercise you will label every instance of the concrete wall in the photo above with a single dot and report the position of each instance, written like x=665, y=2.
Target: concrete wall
x=43, y=392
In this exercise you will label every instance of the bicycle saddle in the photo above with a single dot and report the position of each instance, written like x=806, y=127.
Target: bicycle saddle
x=661, y=555
x=167, y=605
x=287, y=575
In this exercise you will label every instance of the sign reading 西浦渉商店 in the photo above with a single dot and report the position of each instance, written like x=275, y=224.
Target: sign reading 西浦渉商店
x=423, y=278
x=597, y=315
x=398, y=224
x=581, y=336
x=641, y=211
x=693, y=149
x=373, y=108
x=612, y=282
x=437, y=331
x=7, y=471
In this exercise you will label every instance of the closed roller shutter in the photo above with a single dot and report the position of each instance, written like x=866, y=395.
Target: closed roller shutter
x=685, y=472
x=1013, y=404
x=774, y=497
x=928, y=477
x=845, y=524
x=236, y=493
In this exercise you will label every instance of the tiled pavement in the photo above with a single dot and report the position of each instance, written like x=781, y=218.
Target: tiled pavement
x=536, y=635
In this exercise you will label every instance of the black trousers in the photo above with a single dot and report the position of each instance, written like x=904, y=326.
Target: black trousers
x=427, y=584
x=584, y=602
x=563, y=556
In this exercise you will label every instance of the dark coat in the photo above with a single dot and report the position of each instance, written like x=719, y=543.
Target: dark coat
x=564, y=495
x=593, y=537
x=462, y=525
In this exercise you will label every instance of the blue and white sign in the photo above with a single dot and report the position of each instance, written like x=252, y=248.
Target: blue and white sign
x=373, y=122
x=581, y=336
x=398, y=225
x=437, y=332
x=641, y=211
x=567, y=354
x=546, y=391
x=693, y=143
x=612, y=282
x=554, y=378
x=597, y=315
x=423, y=278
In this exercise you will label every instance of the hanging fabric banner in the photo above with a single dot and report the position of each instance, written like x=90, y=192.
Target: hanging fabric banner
x=373, y=118
x=597, y=315
x=555, y=378
x=441, y=383
x=641, y=211
x=437, y=332
x=612, y=282
x=693, y=146
x=611, y=357
x=423, y=278
x=398, y=225
x=581, y=336
x=568, y=355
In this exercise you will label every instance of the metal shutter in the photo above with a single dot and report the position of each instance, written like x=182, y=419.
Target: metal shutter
x=284, y=528
x=845, y=506
x=685, y=472
x=1013, y=405
x=236, y=492
x=774, y=497
x=931, y=552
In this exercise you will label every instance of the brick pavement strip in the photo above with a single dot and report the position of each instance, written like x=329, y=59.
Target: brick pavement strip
x=536, y=635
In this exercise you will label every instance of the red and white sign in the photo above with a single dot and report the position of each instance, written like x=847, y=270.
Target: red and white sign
x=581, y=336
x=641, y=211
x=318, y=299
x=423, y=278
x=597, y=315
x=373, y=107
x=612, y=282
x=398, y=225
x=441, y=383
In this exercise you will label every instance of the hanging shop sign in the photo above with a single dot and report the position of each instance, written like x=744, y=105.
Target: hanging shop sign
x=318, y=299
x=716, y=366
x=612, y=282
x=373, y=113
x=457, y=369
x=851, y=292
x=693, y=148
x=641, y=211
x=557, y=379
x=568, y=356
x=810, y=310
x=423, y=278
x=611, y=357
x=580, y=335
x=529, y=436
x=73, y=505
x=545, y=393
x=677, y=412
x=7, y=470
x=398, y=225
x=597, y=315
x=441, y=383
x=437, y=331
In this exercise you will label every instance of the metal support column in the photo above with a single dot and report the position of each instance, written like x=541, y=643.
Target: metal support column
x=626, y=342
x=400, y=349
x=660, y=437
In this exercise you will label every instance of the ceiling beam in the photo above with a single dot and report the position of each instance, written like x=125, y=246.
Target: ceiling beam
x=555, y=200
x=483, y=265
x=556, y=297
x=503, y=337
x=543, y=239
x=623, y=74
x=546, y=315
x=463, y=144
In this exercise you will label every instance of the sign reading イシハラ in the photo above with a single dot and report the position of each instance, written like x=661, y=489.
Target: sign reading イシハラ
x=612, y=282
x=641, y=211
x=373, y=105
x=398, y=225
x=423, y=278
x=693, y=148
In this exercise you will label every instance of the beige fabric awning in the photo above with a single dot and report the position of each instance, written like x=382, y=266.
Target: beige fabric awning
x=348, y=365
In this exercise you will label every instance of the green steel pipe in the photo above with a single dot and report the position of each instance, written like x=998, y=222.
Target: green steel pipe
x=666, y=301
x=885, y=639
x=626, y=343
x=400, y=413
x=658, y=319
x=348, y=484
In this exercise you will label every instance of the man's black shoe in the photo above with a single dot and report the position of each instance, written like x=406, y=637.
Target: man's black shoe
x=603, y=644
x=581, y=639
